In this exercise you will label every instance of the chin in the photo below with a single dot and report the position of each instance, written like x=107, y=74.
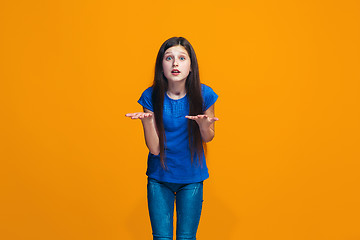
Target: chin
x=177, y=80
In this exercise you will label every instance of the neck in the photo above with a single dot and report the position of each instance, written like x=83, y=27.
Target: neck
x=176, y=90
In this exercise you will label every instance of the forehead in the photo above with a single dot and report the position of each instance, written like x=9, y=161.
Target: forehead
x=176, y=50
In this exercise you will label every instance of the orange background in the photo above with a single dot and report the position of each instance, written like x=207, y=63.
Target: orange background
x=284, y=164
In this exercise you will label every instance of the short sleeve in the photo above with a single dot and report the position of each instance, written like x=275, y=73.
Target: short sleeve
x=146, y=99
x=209, y=96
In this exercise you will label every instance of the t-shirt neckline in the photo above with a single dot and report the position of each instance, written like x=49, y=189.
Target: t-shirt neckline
x=175, y=99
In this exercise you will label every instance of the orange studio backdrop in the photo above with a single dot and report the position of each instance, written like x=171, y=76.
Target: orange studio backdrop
x=284, y=164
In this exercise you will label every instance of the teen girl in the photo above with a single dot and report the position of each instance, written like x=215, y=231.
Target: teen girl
x=178, y=119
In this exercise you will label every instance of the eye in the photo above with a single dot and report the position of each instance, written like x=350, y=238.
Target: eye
x=168, y=58
x=182, y=58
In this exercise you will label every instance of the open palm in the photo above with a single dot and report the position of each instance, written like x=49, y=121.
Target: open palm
x=203, y=120
x=139, y=115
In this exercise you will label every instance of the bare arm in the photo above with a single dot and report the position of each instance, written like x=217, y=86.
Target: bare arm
x=150, y=131
x=206, y=123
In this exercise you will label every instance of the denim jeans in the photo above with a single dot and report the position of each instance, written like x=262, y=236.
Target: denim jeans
x=188, y=198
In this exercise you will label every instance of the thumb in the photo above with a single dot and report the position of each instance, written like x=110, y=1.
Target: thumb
x=214, y=119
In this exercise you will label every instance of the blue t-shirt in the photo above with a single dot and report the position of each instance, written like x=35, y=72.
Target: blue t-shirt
x=177, y=151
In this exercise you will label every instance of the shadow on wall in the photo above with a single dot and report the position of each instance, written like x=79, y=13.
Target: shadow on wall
x=138, y=224
x=217, y=219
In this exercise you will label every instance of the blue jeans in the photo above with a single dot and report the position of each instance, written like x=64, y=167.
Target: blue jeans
x=161, y=197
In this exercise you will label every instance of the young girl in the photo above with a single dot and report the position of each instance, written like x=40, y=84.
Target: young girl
x=178, y=119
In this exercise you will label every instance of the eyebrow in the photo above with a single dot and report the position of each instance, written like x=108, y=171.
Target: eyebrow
x=171, y=53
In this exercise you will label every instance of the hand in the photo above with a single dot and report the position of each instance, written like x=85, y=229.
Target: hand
x=139, y=115
x=204, y=121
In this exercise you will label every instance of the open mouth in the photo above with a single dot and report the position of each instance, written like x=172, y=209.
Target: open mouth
x=175, y=72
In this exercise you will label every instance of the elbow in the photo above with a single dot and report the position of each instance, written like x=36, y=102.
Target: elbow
x=153, y=146
x=209, y=139
x=207, y=135
x=155, y=150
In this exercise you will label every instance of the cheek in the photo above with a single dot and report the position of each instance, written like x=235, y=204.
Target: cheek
x=166, y=66
x=188, y=67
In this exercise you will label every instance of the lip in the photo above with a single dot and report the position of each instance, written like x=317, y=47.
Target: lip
x=175, y=73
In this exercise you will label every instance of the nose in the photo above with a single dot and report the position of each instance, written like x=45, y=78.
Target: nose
x=175, y=63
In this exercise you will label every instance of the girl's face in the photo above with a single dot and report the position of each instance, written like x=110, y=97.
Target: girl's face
x=176, y=64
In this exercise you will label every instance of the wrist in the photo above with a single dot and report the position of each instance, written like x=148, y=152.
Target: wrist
x=204, y=128
x=147, y=119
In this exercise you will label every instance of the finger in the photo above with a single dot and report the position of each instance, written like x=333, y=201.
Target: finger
x=214, y=119
x=137, y=115
x=131, y=114
x=192, y=117
x=145, y=115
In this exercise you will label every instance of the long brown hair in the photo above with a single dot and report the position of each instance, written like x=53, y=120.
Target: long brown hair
x=193, y=92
